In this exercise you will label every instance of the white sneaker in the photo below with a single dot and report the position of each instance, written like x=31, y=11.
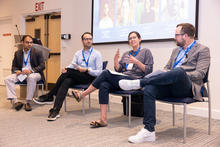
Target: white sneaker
x=142, y=136
x=129, y=84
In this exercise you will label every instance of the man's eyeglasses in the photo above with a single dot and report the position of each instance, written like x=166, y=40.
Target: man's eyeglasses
x=86, y=39
x=27, y=42
x=178, y=35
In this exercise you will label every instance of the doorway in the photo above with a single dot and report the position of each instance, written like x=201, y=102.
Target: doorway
x=47, y=28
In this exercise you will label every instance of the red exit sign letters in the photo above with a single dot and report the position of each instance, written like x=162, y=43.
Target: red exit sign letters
x=39, y=6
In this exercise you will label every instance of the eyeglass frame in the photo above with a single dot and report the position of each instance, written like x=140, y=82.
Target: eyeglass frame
x=179, y=34
x=86, y=39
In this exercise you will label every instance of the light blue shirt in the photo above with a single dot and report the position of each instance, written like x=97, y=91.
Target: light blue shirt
x=95, y=61
x=181, y=54
x=28, y=65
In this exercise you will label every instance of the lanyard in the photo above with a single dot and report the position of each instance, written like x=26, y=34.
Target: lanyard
x=187, y=50
x=126, y=66
x=87, y=61
x=25, y=61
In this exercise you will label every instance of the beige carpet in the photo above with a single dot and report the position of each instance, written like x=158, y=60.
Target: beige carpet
x=29, y=129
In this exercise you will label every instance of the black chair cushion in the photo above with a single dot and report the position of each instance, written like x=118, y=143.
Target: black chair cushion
x=130, y=92
x=186, y=100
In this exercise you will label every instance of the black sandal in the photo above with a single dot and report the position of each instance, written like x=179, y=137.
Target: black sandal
x=95, y=124
x=78, y=98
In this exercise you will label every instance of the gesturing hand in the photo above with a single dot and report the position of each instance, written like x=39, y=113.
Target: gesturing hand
x=117, y=55
x=133, y=60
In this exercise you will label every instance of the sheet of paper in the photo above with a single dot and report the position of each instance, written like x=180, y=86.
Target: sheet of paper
x=75, y=65
x=21, y=77
x=117, y=73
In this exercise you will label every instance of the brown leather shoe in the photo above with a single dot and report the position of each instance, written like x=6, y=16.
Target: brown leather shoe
x=27, y=107
x=18, y=106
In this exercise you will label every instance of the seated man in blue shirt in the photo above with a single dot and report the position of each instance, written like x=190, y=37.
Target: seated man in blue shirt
x=182, y=77
x=86, y=65
x=28, y=64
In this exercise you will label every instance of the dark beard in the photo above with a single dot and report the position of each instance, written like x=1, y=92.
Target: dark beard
x=180, y=44
x=87, y=47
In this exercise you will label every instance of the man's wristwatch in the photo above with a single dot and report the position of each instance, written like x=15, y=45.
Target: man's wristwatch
x=87, y=70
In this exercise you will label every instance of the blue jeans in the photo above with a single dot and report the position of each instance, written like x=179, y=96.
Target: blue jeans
x=107, y=83
x=174, y=83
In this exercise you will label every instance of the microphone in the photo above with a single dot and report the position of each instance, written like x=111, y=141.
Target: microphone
x=18, y=32
x=186, y=56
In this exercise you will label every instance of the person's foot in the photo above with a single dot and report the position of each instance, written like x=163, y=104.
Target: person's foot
x=142, y=136
x=98, y=123
x=27, y=107
x=43, y=99
x=18, y=106
x=77, y=95
x=129, y=84
x=53, y=114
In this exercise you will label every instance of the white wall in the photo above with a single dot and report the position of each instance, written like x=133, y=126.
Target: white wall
x=76, y=19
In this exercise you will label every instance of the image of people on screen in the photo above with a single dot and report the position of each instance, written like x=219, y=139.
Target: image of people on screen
x=173, y=10
x=123, y=13
x=106, y=20
x=148, y=14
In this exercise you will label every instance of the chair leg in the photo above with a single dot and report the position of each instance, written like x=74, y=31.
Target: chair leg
x=42, y=89
x=129, y=110
x=89, y=102
x=108, y=107
x=184, y=124
x=126, y=98
x=65, y=104
x=36, y=91
x=209, y=109
x=83, y=106
x=209, y=125
x=173, y=107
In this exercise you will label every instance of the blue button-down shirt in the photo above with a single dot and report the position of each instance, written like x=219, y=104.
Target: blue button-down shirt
x=95, y=61
x=28, y=65
x=181, y=54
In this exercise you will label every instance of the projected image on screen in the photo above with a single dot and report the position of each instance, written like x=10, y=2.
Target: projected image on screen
x=154, y=19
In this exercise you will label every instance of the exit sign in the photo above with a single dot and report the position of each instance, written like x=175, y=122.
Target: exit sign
x=39, y=6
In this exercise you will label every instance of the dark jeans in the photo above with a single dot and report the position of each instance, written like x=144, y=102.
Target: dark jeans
x=106, y=83
x=65, y=81
x=174, y=83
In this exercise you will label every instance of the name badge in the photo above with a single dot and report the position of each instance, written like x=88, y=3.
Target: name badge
x=130, y=66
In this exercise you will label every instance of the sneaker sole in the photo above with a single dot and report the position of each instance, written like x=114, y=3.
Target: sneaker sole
x=148, y=139
x=43, y=103
x=53, y=119
x=28, y=110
